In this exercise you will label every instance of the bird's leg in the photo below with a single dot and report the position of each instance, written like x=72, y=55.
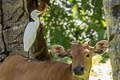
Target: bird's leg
x=30, y=52
x=28, y=55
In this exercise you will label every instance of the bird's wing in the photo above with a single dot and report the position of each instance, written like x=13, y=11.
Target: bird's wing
x=29, y=36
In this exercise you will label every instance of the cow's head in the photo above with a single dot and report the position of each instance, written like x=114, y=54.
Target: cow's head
x=82, y=56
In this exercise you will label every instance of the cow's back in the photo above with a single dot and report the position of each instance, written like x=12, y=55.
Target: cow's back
x=18, y=68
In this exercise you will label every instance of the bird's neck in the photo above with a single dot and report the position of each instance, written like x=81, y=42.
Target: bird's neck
x=36, y=19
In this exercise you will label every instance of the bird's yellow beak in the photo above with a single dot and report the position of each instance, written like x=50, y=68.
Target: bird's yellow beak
x=40, y=12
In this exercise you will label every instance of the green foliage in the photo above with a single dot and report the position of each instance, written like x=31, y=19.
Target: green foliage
x=65, y=59
x=74, y=21
x=105, y=57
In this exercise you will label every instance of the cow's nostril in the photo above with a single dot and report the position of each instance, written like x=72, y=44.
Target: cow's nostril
x=79, y=70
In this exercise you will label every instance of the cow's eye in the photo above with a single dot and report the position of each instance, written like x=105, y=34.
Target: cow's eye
x=88, y=55
x=71, y=57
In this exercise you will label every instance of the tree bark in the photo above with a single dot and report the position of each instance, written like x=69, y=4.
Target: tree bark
x=40, y=48
x=13, y=19
x=14, y=16
x=112, y=17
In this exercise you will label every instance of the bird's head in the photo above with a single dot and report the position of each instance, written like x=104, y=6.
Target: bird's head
x=35, y=13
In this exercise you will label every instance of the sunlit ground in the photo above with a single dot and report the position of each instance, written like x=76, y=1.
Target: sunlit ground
x=101, y=71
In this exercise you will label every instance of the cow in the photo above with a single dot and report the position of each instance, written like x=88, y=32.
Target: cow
x=18, y=68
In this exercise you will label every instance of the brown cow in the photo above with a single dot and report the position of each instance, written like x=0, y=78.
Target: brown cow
x=17, y=68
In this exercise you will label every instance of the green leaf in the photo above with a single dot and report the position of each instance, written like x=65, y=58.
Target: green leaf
x=74, y=10
x=104, y=23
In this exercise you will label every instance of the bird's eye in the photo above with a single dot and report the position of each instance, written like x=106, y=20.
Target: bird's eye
x=88, y=55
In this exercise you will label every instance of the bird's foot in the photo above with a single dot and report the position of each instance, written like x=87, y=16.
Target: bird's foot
x=28, y=60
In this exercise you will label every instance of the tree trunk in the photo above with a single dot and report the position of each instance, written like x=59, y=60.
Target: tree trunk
x=112, y=16
x=14, y=16
x=13, y=19
x=40, y=50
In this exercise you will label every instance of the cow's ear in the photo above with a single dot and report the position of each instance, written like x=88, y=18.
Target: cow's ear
x=58, y=50
x=101, y=46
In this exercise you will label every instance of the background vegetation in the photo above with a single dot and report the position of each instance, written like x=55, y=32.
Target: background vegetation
x=79, y=21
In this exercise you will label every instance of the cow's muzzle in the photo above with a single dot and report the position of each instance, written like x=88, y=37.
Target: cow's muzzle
x=79, y=70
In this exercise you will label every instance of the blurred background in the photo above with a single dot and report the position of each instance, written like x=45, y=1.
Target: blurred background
x=78, y=21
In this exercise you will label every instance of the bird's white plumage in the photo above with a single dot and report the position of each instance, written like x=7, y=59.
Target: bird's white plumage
x=31, y=30
x=29, y=36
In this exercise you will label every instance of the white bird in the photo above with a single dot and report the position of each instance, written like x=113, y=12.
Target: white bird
x=31, y=30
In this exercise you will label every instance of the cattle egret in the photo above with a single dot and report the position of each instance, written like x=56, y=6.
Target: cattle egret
x=31, y=30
